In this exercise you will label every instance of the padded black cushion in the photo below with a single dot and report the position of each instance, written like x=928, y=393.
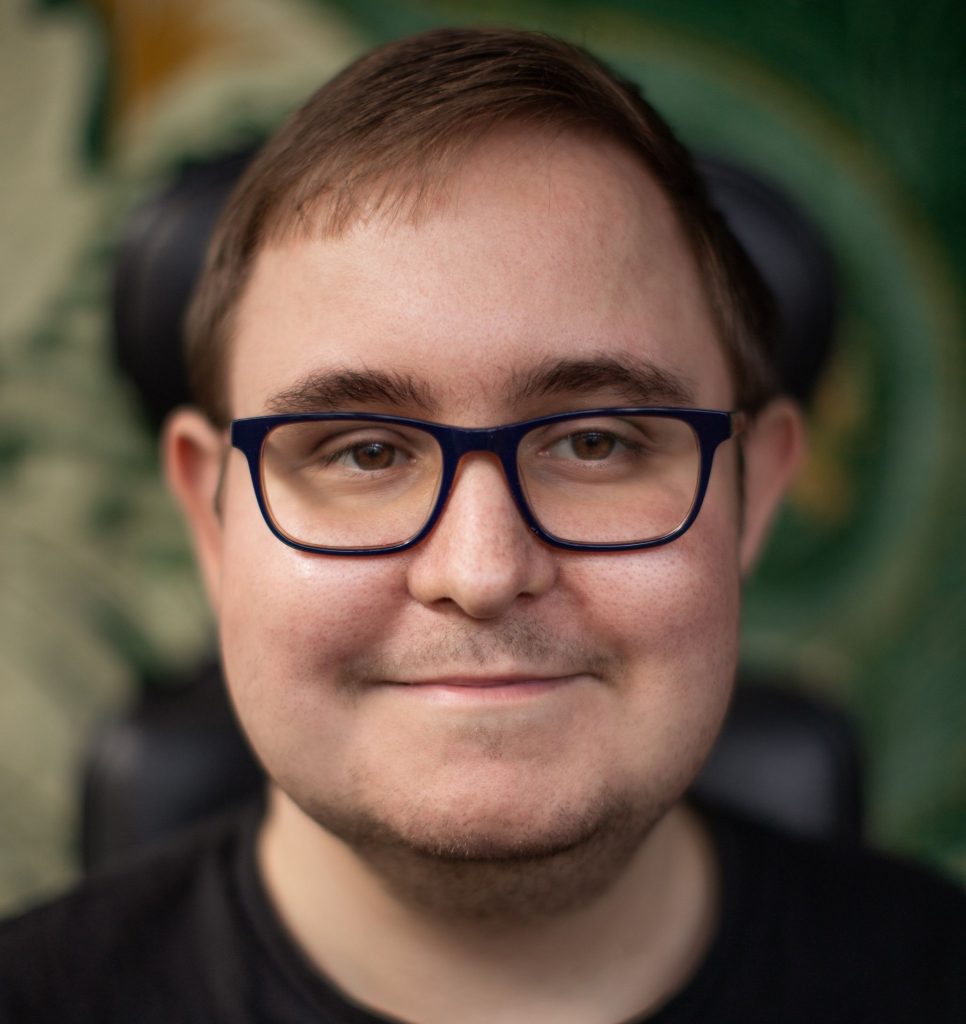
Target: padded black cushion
x=788, y=758
x=176, y=757
x=792, y=256
x=159, y=259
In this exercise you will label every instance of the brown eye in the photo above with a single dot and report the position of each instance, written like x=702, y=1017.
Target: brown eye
x=373, y=455
x=592, y=444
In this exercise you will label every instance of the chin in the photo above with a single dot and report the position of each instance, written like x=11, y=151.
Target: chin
x=489, y=864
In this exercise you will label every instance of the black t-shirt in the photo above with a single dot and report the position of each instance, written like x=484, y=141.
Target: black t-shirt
x=185, y=933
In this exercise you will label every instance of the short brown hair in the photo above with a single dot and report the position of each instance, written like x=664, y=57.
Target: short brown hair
x=392, y=126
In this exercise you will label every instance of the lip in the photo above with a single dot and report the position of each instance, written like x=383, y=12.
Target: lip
x=488, y=687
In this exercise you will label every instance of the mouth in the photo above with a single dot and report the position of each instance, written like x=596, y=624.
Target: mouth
x=488, y=688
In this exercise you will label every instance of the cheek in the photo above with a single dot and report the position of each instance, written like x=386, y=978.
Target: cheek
x=289, y=621
x=678, y=601
x=673, y=614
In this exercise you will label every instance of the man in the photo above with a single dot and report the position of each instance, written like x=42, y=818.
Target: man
x=489, y=437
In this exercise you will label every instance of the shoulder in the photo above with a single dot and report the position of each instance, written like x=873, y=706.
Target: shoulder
x=141, y=919
x=857, y=885
x=842, y=929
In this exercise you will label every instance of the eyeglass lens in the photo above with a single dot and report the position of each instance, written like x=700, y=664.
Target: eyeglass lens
x=593, y=480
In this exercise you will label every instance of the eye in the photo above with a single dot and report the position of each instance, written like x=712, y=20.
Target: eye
x=589, y=444
x=367, y=456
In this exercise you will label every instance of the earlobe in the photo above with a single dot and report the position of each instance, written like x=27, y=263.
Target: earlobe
x=773, y=448
x=193, y=453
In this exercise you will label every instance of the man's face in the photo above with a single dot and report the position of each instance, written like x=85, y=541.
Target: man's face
x=483, y=692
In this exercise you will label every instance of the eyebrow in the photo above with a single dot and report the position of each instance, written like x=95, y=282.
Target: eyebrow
x=637, y=381
x=331, y=390
x=633, y=380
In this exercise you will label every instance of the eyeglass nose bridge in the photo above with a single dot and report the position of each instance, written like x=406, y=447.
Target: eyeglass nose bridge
x=500, y=442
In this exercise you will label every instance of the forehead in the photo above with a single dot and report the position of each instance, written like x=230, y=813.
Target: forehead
x=540, y=250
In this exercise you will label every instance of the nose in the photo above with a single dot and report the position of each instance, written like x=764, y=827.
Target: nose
x=481, y=556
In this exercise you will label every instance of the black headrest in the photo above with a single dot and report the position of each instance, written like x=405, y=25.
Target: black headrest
x=159, y=260
x=162, y=248
x=792, y=256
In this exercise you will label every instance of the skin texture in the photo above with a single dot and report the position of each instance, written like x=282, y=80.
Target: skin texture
x=409, y=795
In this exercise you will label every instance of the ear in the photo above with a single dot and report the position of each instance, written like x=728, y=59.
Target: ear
x=773, y=447
x=193, y=452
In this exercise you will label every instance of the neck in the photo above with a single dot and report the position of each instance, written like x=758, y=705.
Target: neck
x=623, y=953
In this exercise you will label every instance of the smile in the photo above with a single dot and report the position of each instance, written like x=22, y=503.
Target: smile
x=488, y=688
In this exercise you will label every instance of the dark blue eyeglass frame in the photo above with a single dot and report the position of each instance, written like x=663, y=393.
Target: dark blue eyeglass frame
x=711, y=427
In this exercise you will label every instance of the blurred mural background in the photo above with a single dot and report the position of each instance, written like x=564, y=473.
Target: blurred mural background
x=853, y=106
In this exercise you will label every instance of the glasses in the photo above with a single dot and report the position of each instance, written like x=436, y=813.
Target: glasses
x=597, y=480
